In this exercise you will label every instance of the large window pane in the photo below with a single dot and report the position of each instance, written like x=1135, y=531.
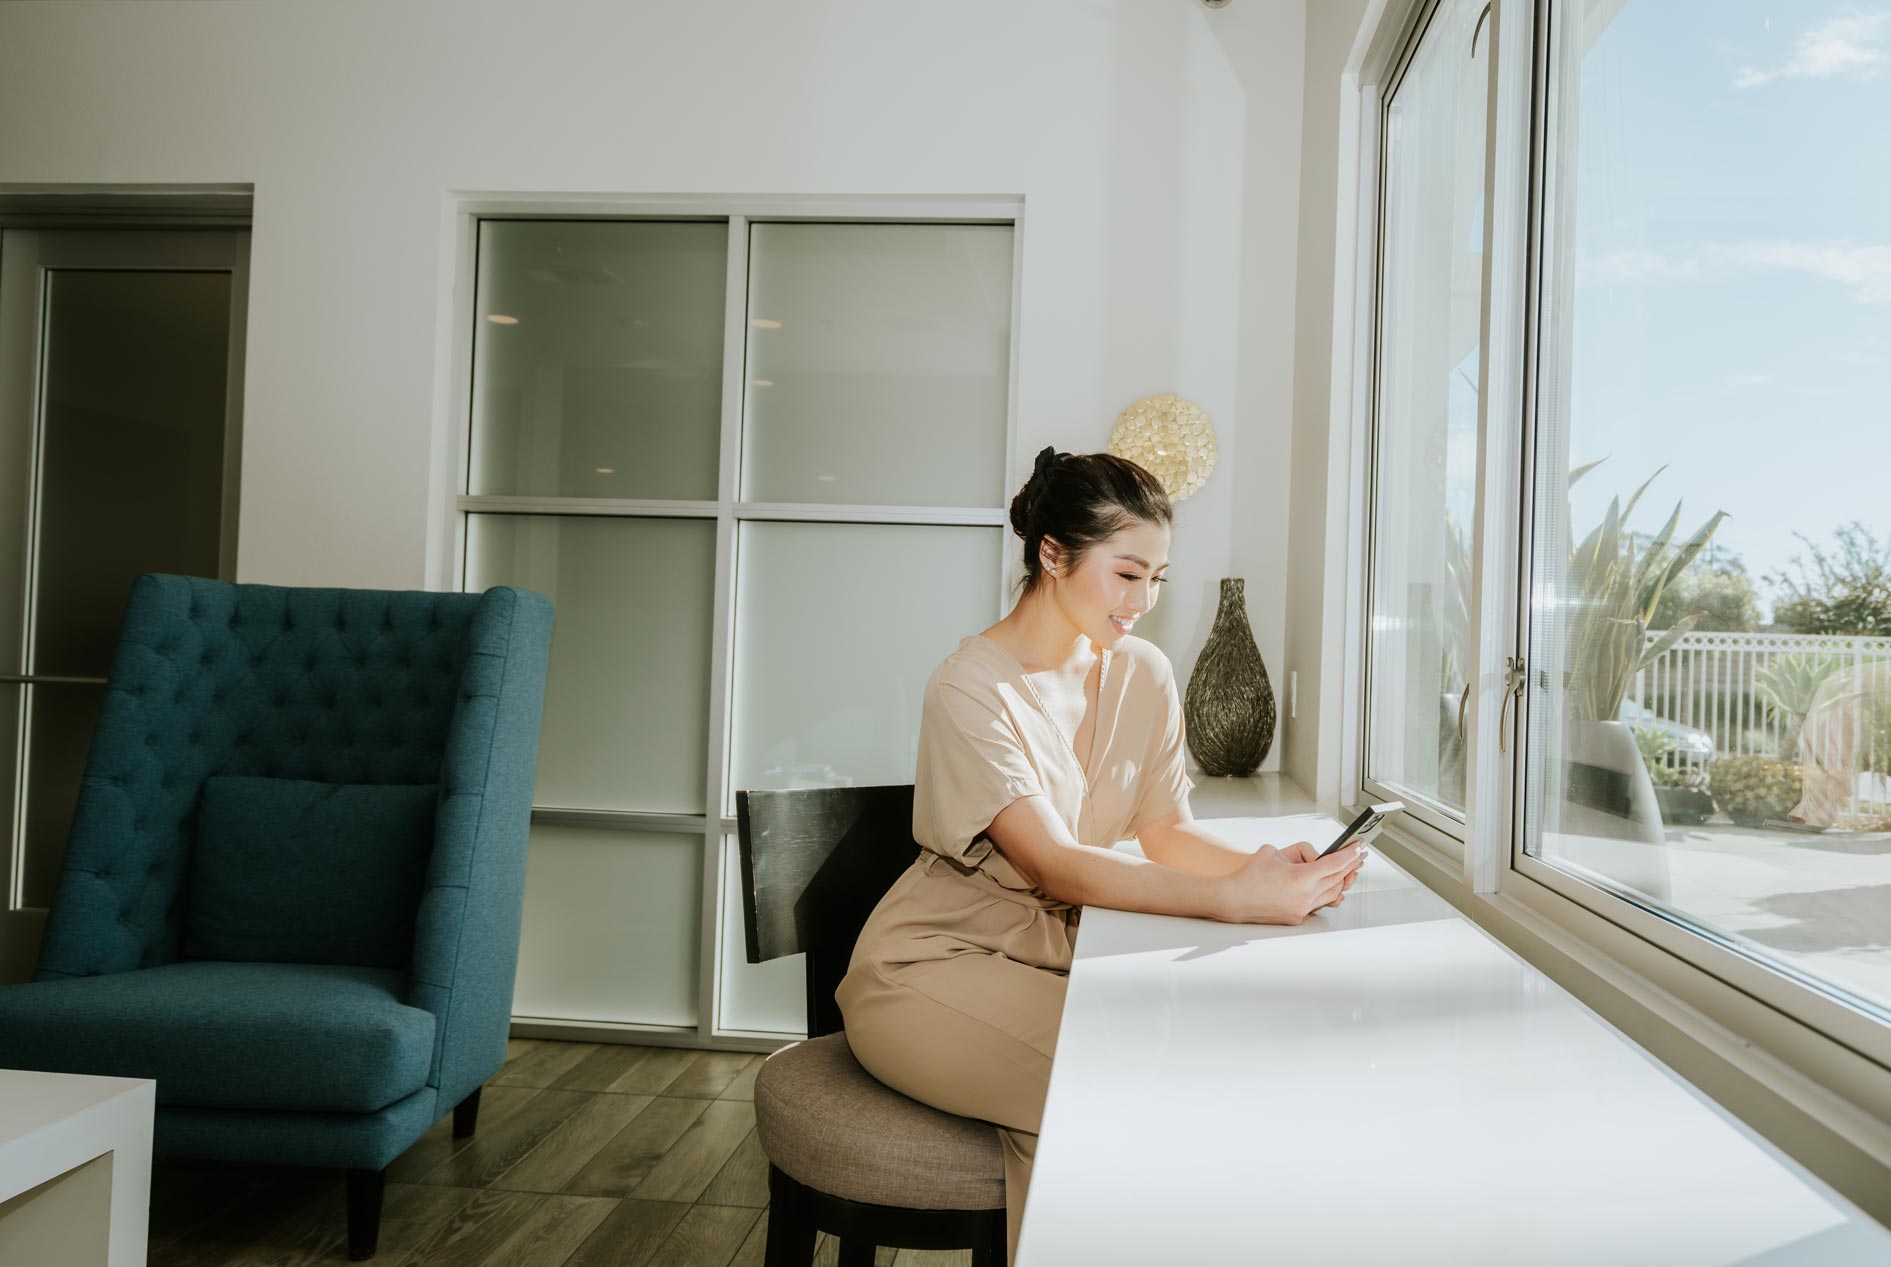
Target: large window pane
x=1711, y=729
x=612, y=926
x=878, y=363
x=597, y=358
x=627, y=699
x=1425, y=439
x=828, y=677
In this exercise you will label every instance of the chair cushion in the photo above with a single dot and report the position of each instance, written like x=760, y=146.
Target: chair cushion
x=830, y=1124
x=229, y=1035
x=293, y=871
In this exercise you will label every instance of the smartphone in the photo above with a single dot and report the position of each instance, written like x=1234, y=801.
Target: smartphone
x=1369, y=818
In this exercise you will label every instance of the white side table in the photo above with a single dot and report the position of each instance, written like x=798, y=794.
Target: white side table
x=75, y=1169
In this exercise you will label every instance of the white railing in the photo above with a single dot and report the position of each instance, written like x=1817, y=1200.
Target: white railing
x=1711, y=682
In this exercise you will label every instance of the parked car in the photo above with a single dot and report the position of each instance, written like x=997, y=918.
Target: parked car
x=1685, y=742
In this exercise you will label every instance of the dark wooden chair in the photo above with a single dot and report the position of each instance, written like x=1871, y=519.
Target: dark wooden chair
x=848, y=1155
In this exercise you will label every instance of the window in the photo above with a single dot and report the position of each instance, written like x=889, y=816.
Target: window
x=1667, y=439
x=1424, y=472
x=1709, y=641
x=703, y=438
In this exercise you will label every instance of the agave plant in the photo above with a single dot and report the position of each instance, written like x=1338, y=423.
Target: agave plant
x=1614, y=587
x=1791, y=682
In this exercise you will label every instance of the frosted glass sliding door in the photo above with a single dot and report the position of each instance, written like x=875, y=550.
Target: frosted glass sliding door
x=838, y=626
x=612, y=924
x=764, y=618
x=879, y=364
x=627, y=698
x=768, y=998
x=598, y=358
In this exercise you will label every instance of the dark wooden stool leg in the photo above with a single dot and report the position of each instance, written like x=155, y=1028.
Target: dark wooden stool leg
x=856, y=1253
x=790, y=1224
x=365, y=1189
x=466, y=1115
x=993, y=1253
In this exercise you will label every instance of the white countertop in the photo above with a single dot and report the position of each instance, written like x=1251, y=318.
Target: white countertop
x=1385, y=1083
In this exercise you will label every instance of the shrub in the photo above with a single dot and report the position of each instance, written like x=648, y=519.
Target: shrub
x=1753, y=789
x=1656, y=745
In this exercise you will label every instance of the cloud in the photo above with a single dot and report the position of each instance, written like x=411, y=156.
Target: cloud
x=1615, y=267
x=1867, y=269
x=1841, y=46
x=1854, y=358
x=1750, y=380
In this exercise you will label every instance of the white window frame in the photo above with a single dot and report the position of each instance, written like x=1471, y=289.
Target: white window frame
x=451, y=505
x=1800, y=1064
x=1441, y=834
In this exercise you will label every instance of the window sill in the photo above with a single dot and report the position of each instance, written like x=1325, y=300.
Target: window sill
x=1673, y=1009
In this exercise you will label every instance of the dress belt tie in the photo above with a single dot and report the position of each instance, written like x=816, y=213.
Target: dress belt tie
x=984, y=880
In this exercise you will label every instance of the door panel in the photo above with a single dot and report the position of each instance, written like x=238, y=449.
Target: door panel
x=120, y=367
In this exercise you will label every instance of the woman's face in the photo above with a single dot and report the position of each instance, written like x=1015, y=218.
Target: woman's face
x=1116, y=583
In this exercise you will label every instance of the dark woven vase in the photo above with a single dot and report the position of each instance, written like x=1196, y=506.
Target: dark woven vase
x=1229, y=708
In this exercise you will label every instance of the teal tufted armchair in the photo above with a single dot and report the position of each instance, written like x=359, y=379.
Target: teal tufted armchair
x=329, y=1064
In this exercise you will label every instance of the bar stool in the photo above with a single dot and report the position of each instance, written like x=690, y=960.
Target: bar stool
x=847, y=1154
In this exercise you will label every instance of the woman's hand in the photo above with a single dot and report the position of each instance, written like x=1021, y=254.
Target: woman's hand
x=1284, y=886
x=1303, y=852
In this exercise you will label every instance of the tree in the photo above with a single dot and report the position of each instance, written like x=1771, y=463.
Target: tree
x=1846, y=591
x=1718, y=589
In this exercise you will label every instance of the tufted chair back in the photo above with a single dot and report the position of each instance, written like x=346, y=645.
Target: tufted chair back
x=339, y=686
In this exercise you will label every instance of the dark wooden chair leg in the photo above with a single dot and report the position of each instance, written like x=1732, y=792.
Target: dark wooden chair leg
x=466, y=1115
x=365, y=1189
x=856, y=1253
x=791, y=1230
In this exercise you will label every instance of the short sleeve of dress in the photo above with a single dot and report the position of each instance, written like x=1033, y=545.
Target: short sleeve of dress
x=1165, y=781
x=972, y=763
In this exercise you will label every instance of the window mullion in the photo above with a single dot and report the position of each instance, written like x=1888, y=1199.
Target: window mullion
x=721, y=710
x=1498, y=546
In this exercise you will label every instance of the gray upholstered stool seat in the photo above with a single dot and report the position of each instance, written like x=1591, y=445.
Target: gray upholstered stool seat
x=831, y=1125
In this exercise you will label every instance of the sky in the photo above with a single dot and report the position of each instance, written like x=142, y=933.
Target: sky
x=1732, y=314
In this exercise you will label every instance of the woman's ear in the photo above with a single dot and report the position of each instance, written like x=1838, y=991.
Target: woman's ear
x=1050, y=556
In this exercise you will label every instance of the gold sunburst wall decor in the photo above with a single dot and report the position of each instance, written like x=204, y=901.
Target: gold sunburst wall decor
x=1169, y=437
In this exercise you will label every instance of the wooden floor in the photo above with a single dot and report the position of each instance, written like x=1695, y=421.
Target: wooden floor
x=587, y=1155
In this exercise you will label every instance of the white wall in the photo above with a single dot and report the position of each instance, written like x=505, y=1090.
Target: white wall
x=1314, y=585
x=1152, y=140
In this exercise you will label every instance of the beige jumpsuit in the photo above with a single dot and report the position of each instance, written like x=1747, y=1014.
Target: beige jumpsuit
x=956, y=986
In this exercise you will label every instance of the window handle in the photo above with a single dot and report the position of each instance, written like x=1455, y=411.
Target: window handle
x=1479, y=28
x=1462, y=701
x=1514, y=678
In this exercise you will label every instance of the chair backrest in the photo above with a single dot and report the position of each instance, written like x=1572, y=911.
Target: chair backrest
x=815, y=861
x=212, y=677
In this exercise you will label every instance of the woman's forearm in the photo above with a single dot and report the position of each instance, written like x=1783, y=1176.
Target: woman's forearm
x=1190, y=847
x=1090, y=876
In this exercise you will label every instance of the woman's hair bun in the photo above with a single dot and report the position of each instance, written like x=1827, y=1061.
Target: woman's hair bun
x=1032, y=493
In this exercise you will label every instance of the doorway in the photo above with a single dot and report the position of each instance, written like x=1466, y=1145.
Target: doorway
x=121, y=372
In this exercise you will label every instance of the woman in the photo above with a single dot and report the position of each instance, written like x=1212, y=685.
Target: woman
x=1042, y=742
